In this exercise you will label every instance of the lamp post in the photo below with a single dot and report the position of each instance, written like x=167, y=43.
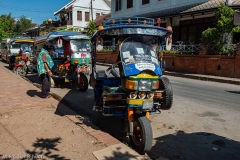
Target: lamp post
x=91, y=10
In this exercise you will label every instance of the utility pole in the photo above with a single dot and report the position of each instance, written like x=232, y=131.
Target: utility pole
x=91, y=10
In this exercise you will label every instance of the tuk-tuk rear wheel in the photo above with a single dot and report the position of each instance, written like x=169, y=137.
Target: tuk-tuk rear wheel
x=83, y=83
x=142, y=137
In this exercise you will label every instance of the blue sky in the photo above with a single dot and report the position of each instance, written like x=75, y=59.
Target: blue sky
x=37, y=10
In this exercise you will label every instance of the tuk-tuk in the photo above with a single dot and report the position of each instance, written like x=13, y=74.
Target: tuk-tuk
x=132, y=87
x=18, y=47
x=71, y=56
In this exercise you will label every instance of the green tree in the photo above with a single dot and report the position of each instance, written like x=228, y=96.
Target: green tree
x=7, y=25
x=91, y=28
x=22, y=24
x=224, y=26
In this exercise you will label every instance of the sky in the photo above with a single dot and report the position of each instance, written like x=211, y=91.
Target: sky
x=37, y=10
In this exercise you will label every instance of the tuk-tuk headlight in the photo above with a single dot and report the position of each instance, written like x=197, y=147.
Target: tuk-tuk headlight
x=150, y=95
x=155, y=84
x=141, y=95
x=145, y=86
x=131, y=85
x=133, y=95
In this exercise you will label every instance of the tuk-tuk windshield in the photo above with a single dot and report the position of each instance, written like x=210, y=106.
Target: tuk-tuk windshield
x=22, y=46
x=80, y=45
x=137, y=50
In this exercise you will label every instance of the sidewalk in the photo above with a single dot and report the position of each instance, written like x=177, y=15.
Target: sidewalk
x=197, y=76
x=32, y=127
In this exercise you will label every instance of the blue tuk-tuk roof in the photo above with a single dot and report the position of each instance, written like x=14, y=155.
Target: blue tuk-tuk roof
x=64, y=35
x=131, y=25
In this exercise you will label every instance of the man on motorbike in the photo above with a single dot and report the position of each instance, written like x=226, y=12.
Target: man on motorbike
x=44, y=66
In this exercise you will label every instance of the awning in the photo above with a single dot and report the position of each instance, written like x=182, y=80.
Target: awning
x=64, y=35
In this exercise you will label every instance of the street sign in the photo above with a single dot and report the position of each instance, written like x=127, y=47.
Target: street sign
x=236, y=19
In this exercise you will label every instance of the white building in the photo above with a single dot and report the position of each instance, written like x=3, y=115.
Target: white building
x=78, y=13
x=187, y=17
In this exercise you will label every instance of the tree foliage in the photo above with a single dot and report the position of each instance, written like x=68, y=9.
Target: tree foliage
x=91, y=28
x=224, y=26
x=23, y=24
x=9, y=26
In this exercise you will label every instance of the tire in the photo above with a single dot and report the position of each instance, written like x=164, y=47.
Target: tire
x=14, y=69
x=83, y=85
x=20, y=73
x=167, y=101
x=142, y=127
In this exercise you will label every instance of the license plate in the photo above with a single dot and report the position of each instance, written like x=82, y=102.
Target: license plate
x=147, y=104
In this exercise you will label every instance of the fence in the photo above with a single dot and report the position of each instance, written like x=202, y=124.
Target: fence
x=228, y=49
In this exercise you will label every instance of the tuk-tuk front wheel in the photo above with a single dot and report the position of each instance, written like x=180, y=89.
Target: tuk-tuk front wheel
x=83, y=83
x=142, y=137
x=19, y=71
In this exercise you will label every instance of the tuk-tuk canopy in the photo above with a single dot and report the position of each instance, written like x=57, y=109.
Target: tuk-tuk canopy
x=21, y=40
x=63, y=35
x=131, y=26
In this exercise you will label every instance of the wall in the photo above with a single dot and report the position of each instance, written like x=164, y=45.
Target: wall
x=226, y=66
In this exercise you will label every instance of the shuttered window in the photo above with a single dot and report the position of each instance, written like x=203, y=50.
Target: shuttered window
x=79, y=15
x=87, y=16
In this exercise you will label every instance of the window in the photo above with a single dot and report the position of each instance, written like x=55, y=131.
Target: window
x=118, y=5
x=87, y=16
x=79, y=15
x=145, y=2
x=129, y=3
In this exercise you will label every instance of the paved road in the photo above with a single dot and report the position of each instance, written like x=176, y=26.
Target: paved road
x=202, y=124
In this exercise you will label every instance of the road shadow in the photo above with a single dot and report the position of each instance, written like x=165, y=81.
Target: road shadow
x=235, y=92
x=33, y=93
x=82, y=104
x=197, y=146
x=44, y=148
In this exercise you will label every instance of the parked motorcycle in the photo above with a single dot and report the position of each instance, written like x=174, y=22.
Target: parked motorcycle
x=25, y=65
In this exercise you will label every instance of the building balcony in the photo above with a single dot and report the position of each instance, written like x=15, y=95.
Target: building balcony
x=67, y=22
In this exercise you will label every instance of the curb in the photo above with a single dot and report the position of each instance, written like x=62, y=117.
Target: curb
x=203, y=78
